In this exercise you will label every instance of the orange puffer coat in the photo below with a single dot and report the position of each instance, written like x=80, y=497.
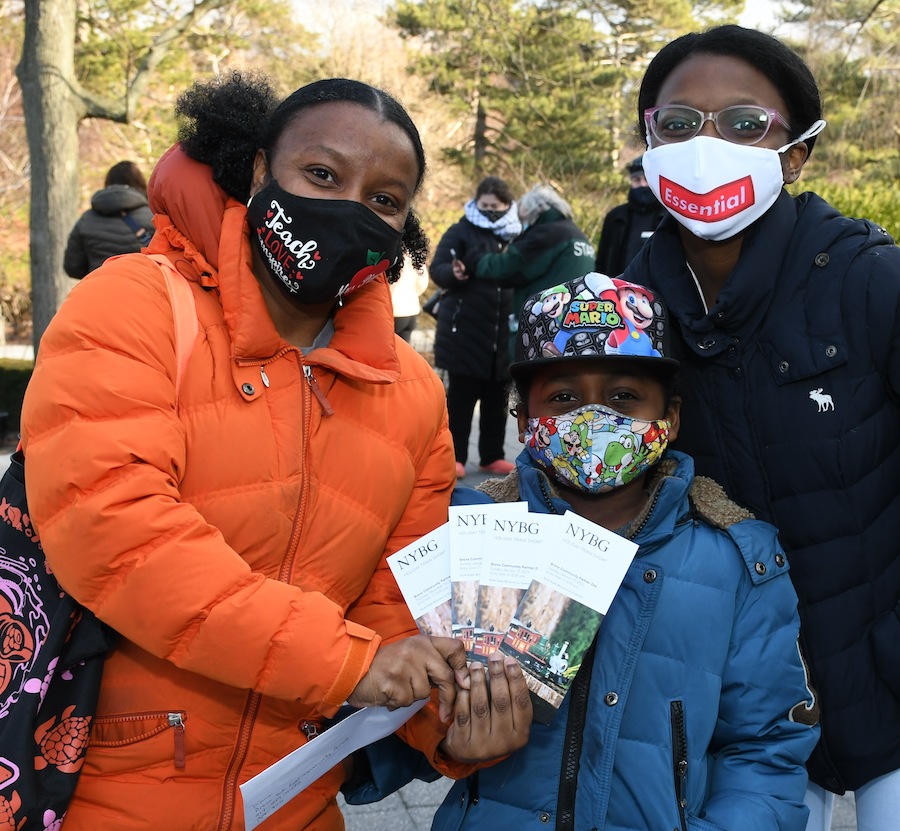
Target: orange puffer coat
x=238, y=544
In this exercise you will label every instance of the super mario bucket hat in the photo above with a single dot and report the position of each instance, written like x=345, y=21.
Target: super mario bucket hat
x=593, y=316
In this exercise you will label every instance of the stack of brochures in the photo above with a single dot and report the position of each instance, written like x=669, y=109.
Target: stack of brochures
x=533, y=586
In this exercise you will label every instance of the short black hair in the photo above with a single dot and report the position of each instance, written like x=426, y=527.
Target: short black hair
x=784, y=68
x=224, y=122
x=495, y=186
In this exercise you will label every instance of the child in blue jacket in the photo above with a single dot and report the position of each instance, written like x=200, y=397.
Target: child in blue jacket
x=691, y=711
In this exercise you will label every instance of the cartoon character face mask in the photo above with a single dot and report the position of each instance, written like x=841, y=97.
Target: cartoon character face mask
x=317, y=250
x=595, y=449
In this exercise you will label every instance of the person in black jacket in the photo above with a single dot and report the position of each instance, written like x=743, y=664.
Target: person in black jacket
x=788, y=316
x=473, y=325
x=627, y=227
x=119, y=222
x=550, y=250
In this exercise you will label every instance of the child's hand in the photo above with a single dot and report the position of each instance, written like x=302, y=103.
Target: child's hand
x=488, y=723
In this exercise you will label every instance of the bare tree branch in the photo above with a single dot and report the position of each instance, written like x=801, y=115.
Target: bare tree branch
x=862, y=25
x=96, y=106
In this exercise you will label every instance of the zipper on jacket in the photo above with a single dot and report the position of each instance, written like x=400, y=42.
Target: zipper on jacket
x=456, y=311
x=248, y=719
x=265, y=378
x=176, y=722
x=316, y=390
x=679, y=758
x=251, y=708
x=474, y=789
x=633, y=532
x=571, y=755
x=165, y=720
x=497, y=309
x=548, y=500
x=309, y=729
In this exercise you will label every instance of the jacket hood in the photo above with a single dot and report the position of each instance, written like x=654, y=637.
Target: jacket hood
x=184, y=192
x=113, y=200
x=675, y=492
x=800, y=234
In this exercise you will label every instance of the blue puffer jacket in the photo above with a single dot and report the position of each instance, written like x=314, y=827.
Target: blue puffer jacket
x=695, y=714
x=790, y=386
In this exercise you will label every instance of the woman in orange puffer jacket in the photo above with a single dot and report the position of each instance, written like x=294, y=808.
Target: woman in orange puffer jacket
x=237, y=541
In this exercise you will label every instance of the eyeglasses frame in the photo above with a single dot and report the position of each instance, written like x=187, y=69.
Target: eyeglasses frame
x=773, y=114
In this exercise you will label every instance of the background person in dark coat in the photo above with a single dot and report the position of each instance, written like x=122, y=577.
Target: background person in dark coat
x=104, y=231
x=550, y=250
x=788, y=316
x=627, y=227
x=473, y=326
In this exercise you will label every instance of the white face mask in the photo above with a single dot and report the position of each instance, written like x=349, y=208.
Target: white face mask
x=716, y=188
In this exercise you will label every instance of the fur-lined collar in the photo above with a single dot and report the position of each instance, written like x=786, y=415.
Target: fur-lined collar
x=707, y=497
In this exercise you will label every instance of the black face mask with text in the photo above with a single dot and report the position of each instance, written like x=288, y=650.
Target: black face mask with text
x=317, y=250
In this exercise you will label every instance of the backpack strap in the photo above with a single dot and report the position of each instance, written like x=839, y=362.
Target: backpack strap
x=142, y=234
x=184, y=310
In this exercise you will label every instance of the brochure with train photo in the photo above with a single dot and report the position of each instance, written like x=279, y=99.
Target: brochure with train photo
x=534, y=586
x=468, y=526
x=515, y=546
x=564, y=606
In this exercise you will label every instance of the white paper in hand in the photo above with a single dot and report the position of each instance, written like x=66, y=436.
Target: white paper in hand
x=268, y=791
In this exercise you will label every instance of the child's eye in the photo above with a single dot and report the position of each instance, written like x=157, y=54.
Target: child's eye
x=623, y=395
x=563, y=397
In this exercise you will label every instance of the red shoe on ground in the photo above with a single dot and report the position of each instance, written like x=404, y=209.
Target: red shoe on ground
x=501, y=467
x=460, y=470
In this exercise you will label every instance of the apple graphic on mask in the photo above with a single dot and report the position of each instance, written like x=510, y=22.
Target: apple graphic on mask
x=377, y=265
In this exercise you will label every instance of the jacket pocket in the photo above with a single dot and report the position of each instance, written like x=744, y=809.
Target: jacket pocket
x=679, y=759
x=886, y=650
x=125, y=730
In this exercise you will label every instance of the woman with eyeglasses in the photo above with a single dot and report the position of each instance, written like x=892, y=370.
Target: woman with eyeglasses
x=787, y=314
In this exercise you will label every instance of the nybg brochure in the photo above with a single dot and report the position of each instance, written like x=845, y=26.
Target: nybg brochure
x=533, y=586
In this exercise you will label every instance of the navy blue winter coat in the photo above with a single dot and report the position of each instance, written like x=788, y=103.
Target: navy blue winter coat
x=790, y=387
x=691, y=715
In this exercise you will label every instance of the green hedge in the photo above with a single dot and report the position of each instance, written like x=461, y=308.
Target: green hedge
x=14, y=377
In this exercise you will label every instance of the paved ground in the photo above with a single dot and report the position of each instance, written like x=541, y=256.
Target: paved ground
x=412, y=808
